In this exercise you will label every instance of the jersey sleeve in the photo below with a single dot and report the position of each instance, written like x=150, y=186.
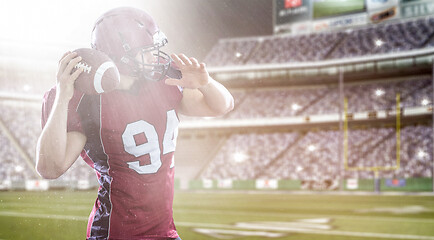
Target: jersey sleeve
x=74, y=122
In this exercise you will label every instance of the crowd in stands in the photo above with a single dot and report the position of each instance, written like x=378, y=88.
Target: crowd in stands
x=307, y=101
x=398, y=36
x=13, y=167
x=314, y=155
x=247, y=155
x=290, y=155
x=23, y=123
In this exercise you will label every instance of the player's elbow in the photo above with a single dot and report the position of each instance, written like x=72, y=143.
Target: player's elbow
x=225, y=108
x=47, y=171
x=231, y=105
x=48, y=176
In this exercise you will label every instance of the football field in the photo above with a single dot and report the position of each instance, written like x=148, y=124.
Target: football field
x=234, y=215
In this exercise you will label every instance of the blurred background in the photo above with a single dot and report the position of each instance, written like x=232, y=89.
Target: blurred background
x=41, y=31
x=331, y=96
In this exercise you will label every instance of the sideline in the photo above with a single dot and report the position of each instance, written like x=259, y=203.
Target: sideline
x=305, y=192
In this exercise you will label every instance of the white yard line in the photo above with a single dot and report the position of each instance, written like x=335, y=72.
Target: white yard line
x=357, y=218
x=48, y=206
x=243, y=226
x=254, y=227
x=42, y=215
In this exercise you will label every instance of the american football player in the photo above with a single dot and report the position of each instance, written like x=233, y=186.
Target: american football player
x=128, y=135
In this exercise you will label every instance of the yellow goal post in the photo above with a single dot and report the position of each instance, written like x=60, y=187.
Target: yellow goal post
x=375, y=169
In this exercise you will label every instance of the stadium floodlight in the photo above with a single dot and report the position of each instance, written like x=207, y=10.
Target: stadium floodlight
x=311, y=148
x=379, y=92
x=421, y=154
x=27, y=87
x=379, y=42
x=424, y=102
x=19, y=168
x=238, y=54
x=239, y=157
x=295, y=106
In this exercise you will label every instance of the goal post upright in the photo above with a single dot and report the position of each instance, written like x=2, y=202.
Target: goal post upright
x=398, y=131
x=342, y=111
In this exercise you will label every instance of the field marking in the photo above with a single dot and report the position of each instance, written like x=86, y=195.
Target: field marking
x=253, y=226
x=42, y=215
x=396, y=210
x=242, y=213
x=364, y=218
x=317, y=223
x=242, y=225
x=261, y=226
x=48, y=205
x=319, y=193
x=216, y=233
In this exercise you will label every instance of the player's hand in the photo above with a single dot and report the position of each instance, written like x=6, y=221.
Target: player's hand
x=66, y=79
x=194, y=74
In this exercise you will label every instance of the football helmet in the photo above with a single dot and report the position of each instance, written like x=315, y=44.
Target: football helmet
x=132, y=40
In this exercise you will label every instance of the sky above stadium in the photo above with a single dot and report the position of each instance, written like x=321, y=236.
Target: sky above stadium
x=192, y=26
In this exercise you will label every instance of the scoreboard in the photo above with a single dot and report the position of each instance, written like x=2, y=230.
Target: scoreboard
x=301, y=16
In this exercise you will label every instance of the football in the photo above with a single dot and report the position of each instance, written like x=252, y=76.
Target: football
x=100, y=73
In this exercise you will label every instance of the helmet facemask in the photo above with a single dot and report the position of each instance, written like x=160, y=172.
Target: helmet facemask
x=148, y=62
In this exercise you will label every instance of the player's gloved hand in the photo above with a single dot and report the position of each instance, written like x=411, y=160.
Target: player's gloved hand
x=194, y=74
x=65, y=80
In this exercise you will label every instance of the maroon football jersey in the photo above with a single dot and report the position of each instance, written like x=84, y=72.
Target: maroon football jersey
x=131, y=138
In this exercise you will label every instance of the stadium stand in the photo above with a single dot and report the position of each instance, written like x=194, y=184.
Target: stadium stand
x=23, y=121
x=281, y=155
x=313, y=155
x=12, y=165
x=314, y=100
x=391, y=37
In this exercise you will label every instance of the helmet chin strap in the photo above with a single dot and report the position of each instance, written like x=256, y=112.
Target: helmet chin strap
x=174, y=73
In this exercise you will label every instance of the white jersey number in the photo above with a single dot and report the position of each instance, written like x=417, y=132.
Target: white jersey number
x=152, y=146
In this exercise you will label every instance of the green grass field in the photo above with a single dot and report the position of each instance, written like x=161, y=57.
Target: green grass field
x=336, y=7
x=234, y=215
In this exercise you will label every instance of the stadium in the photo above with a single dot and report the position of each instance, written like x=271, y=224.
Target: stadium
x=331, y=136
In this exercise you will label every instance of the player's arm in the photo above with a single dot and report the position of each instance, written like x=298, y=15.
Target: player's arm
x=58, y=149
x=202, y=95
